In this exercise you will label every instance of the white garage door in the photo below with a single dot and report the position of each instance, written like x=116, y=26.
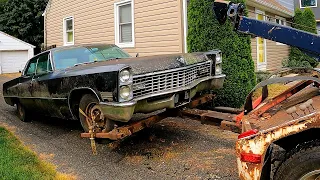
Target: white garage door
x=13, y=61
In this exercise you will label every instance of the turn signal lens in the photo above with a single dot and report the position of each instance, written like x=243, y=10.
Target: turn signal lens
x=248, y=133
x=218, y=69
x=251, y=158
x=218, y=58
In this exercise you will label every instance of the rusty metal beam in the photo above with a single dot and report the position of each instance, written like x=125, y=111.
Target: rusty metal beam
x=125, y=131
x=201, y=100
x=228, y=110
x=193, y=113
x=225, y=120
x=280, y=98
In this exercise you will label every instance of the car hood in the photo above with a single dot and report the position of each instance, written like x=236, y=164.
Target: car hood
x=142, y=65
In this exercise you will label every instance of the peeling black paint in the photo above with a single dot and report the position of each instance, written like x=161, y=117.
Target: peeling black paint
x=49, y=93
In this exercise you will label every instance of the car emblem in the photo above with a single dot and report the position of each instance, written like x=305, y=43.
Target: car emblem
x=182, y=60
x=139, y=86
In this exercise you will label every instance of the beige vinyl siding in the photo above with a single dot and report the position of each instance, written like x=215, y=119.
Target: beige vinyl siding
x=157, y=24
x=251, y=14
x=275, y=53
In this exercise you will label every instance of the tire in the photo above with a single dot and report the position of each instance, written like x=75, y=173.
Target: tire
x=302, y=160
x=86, y=101
x=23, y=114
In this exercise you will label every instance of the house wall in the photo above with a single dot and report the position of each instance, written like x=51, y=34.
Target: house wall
x=276, y=53
x=158, y=24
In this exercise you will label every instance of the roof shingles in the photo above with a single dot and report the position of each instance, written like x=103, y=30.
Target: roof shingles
x=275, y=5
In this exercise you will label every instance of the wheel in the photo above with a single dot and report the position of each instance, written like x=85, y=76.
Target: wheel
x=303, y=164
x=22, y=113
x=89, y=104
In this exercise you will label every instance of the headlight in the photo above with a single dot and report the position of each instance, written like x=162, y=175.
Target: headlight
x=125, y=75
x=218, y=69
x=218, y=58
x=125, y=92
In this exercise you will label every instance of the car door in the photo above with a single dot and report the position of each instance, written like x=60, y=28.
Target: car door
x=24, y=88
x=39, y=83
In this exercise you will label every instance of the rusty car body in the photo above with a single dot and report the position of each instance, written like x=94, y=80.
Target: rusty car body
x=54, y=82
x=289, y=121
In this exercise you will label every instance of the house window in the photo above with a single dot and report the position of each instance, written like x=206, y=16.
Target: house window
x=281, y=21
x=308, y=3
x=124, y=23
x=68, y=31
x=261, y=45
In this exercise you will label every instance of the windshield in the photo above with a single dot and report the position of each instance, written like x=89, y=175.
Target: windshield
x=66, y=58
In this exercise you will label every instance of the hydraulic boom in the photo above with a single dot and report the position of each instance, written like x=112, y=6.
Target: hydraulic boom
x=307, y=42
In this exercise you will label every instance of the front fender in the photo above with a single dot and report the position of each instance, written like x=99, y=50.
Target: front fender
x=259, y=143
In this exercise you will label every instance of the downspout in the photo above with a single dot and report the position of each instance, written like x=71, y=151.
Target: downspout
x=45, y=23
x=45, y=29
x=185, y=24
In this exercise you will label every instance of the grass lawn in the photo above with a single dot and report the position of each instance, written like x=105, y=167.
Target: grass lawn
x=273, y=90
x=18, y=162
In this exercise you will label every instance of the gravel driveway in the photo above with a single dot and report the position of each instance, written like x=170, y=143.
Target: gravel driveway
x=175, y=148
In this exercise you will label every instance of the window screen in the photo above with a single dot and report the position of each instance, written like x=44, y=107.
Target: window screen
x=125, y=23
x=307, y=3
x=68, y=30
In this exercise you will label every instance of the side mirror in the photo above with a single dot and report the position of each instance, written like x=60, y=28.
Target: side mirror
x=137, y=55
x=20, y=71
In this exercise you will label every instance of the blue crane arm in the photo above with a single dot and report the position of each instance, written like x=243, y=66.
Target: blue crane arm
x=307, y=42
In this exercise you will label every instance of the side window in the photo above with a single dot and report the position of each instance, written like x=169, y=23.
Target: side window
x=44, y=64
x=31, y=67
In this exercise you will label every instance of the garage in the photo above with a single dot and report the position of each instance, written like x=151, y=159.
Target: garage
x=13, y=61
x=14, y=53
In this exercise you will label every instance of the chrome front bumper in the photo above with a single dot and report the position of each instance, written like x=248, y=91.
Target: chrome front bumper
x=123, y=112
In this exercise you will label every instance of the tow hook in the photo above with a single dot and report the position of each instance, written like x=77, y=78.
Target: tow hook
x=92, y=133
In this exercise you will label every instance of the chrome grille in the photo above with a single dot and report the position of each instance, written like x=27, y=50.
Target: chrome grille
x=162, y=81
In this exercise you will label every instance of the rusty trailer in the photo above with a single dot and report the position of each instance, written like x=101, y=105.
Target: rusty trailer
x=221, y=116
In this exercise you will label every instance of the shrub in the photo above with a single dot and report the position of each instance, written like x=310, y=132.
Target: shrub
x=296, y=63
x=304, y=20
x=262, y=75
x=205, y=33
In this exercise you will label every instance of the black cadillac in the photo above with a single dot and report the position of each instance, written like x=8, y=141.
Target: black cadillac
x=102, y=83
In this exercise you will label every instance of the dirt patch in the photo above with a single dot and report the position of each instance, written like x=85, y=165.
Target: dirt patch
x=183, y=149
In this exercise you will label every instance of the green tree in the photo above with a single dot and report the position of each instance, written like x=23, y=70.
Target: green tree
x=2, y=4
x=23, y=19
x=205, y=33
x=304, y=20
